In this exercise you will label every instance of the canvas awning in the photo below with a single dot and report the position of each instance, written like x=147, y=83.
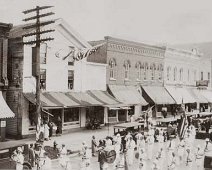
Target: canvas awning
x=196, y=93
x=158, y=94
x=128, y=95
x=105, y=98
x=5, y=111
x=180, y=94
x=207, y=94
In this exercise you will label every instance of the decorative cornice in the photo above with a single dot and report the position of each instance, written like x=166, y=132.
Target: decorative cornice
x=136, y=50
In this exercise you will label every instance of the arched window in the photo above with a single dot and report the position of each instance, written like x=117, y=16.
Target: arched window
x=146, y=67
x=152, y=70
x=138, y=67
x=160, y=72
x=181, y=74
x=127, y=70
x=188, y=75
x=168, y=72
x=112, y=64
x=175, y=73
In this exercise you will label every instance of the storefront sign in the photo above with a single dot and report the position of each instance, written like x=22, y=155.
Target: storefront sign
x=202, y=83
x=3, y=123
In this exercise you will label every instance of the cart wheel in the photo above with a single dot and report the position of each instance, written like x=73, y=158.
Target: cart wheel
x=26, y=166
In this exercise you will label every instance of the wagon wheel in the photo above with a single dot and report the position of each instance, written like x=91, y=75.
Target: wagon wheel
x=26, y=166
x=110, y=156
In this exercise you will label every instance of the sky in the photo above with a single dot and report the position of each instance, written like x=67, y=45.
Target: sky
x=152, y=21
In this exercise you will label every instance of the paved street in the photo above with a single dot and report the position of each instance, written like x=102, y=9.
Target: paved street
x=73, y=141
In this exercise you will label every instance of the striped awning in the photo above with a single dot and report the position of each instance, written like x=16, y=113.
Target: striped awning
x=158, y=94
x=180, y=94
x=5, y=111
x=128, y=95
x=197, y=95
x=105, y=98
x=207, y=94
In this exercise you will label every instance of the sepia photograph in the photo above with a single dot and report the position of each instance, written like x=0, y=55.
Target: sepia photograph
x=105, y=85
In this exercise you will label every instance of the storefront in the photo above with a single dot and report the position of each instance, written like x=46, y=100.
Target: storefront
x=158, y=97
x=182, y=95
x=73, y=108
x=132, y=101
x=5, y=114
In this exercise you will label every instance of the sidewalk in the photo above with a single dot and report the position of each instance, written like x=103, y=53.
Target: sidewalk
x=72, y=140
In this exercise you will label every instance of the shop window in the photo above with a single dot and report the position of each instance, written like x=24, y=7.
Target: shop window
x=71, y=115
x=175, y=74
x=70, y=79
x=112, y=113
x=209, y=77
x=127, y=70
x=112, y=64
x=43, y=79
x=201, y=75
x=43, y=53
x=146, y=71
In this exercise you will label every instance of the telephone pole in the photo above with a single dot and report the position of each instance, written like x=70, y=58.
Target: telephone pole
x=38, y=30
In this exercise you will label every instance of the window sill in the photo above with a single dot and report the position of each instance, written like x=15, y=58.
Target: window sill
x=112, y=79
x=126, y=79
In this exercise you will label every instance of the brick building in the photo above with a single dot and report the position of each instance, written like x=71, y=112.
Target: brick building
x=135, y=73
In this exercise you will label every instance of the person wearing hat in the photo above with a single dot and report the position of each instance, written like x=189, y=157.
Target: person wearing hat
x=63, y=159
x=150, y=145
x=199, y=157
x=18, y=157
x=93, y=145
x=86, y=156
x=139, y=140
x=40, y=156
x=32, y=155
x=172, y=163
x=181, y=150
x=117, y=148
x=130, y=146
x=189, y=159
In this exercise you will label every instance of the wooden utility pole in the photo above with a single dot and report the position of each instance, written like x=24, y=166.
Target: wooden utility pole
x=36, y=27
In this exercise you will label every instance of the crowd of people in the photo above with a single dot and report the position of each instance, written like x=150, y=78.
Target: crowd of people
x=142, y=150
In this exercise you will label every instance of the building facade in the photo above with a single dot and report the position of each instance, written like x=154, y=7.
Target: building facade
x=67, y=86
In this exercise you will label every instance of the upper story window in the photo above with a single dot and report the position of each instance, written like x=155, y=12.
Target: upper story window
x=112, y=64
x=43, y=79
x=43, y=53
x=209, y=77
x=70, y=79
x=138, y=68
x=127, y=70
x=146, y=67
x=181, y=74
x=175, y=73
x=201, y=75
x=195, y=75
x=188, y=75
x=152, y=69
x=168, y=72
x=160, y=72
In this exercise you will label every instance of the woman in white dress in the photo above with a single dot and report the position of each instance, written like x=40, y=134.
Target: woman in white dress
x=46, y=131
x=130, y=146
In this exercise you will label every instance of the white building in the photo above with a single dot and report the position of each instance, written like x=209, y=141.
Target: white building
x=72, y=90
